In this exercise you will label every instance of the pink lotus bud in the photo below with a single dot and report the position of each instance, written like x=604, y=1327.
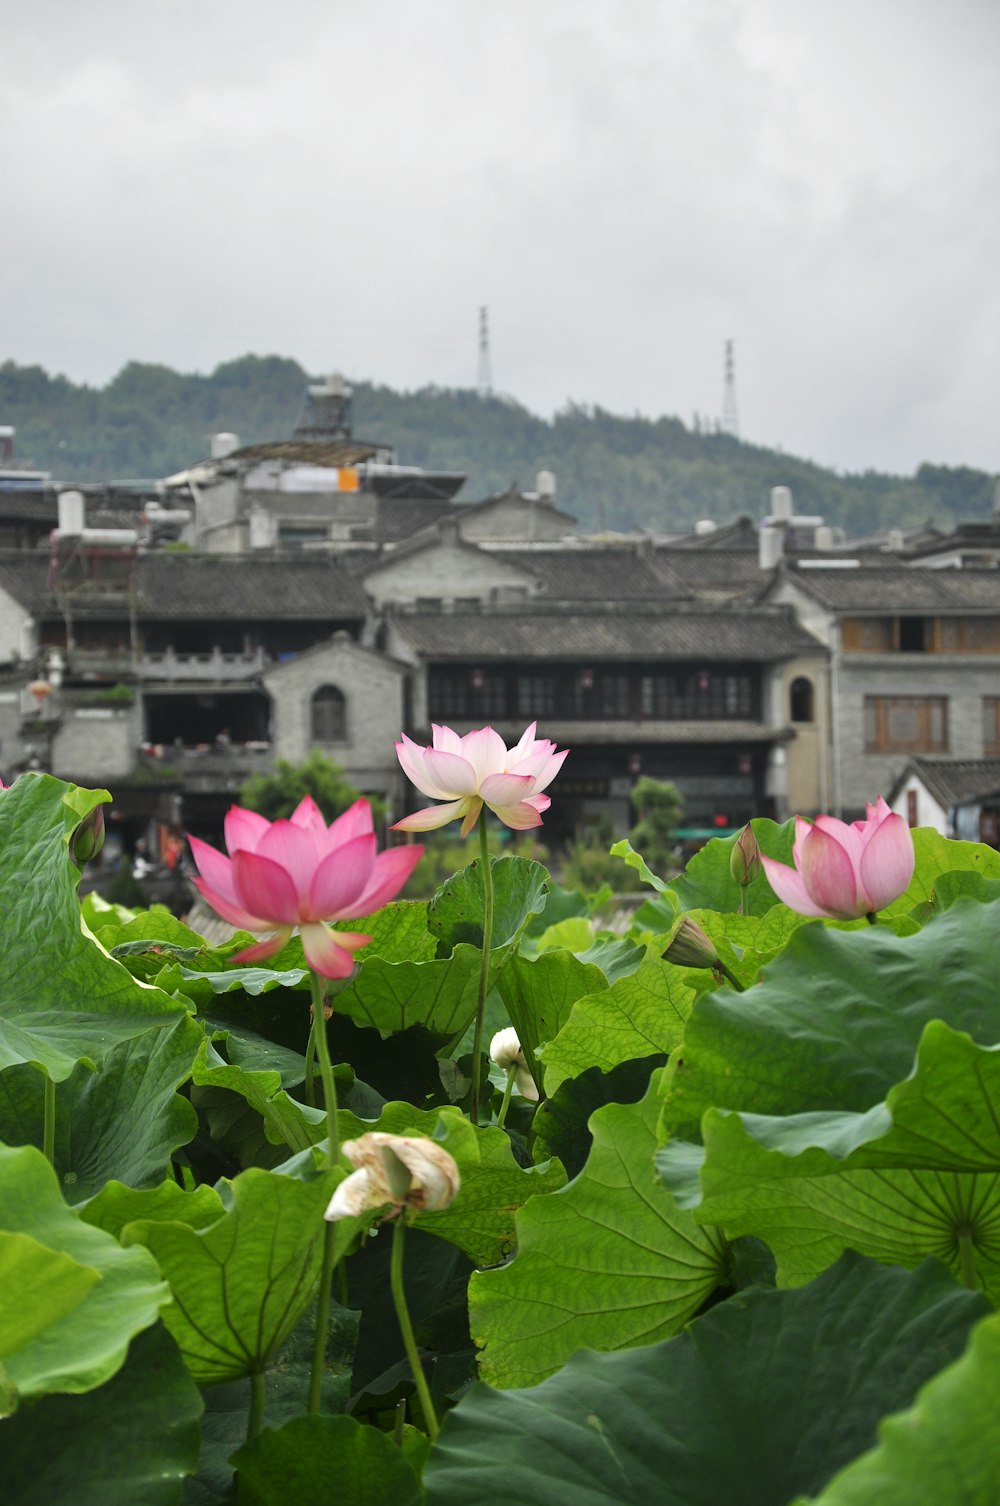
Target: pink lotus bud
x=744, y=857
x=842, y=872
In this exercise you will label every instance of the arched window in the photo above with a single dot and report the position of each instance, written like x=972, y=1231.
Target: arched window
x=800, y=698
x=329, y=715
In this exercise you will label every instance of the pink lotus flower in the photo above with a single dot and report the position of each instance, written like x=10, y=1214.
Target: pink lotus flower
x=476, y=770
x=300, y=872
x=842, y=872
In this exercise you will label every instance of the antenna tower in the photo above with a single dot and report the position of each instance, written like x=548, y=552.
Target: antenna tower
x=730, y=420
x=484, y=380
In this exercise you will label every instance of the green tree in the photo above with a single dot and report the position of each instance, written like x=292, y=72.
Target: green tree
x=660, y=808
x=276, y=795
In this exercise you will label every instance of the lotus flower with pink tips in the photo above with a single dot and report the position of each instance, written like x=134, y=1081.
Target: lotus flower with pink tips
x=476, y=770
x=842, y=872
x=280, y=875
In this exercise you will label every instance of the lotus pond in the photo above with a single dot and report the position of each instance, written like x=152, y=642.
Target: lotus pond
x=744, y=1247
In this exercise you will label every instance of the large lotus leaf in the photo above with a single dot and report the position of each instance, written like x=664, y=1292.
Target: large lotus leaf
x=762, y=1398
x=539, y=994
x=286, y=1121
x=918, y=1175
x=945, y=1450
x=640, y=1015
x=124, y=1121
x=455, y=914
x=481, y=1219
x=635, y=860
x=38, y=1287
x=610, y=1262
x=560, y=1123
x=936, y=856
x=390, y=996
x=116, y=1205
x=315, y=1458
x=837, y=1018
x=398, y=933
x=132, y=1441
x=89, y=1342
x=64, y=999
x=241, y=1284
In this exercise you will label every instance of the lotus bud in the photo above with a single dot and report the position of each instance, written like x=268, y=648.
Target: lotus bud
x=744, y=857
x=395, y=1172
x=88, y=839
x=690, y=947
x=505, y=1050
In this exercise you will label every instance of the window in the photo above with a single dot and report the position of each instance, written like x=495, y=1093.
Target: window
x=536, y=695
x=991, y=725
x=906, y=724
x=800, y=700
x=329, y=715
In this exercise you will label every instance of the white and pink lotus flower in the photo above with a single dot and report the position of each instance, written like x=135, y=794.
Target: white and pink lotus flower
x=476, y=770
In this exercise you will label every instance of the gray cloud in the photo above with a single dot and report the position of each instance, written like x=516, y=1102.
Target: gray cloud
x=627, y=183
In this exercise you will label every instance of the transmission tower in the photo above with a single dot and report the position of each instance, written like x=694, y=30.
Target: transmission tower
x=484, y=380
x=730, y=419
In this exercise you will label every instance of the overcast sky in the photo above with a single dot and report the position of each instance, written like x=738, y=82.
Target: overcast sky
x=625, y=183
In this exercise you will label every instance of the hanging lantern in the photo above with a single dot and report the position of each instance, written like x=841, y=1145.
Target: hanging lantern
x=41, y=690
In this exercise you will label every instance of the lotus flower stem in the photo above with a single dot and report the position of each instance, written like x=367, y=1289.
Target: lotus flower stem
x=484, y=969
x=502, y=1116
x=322, y=1320
x=406, y=1328
x=967, y=1261
x=731, y=978
x=318, y=1038
x=256, y=1416
x=311, y=1067
x=49, y=1129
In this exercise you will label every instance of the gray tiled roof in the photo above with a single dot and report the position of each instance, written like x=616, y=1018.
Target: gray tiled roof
x=760, y=635
x=29, y=506
x=571, y=574
x=208, y=587
x=900, y=588
x=952, y=781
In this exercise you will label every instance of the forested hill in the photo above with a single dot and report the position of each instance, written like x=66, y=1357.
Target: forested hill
x=611, y=471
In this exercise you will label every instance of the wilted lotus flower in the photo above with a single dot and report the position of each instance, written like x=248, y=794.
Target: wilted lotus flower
x=842, y=872
x=300, y=872
x=395, y=1172
x=476, y=770
x=505, y=1050
x=744, y=857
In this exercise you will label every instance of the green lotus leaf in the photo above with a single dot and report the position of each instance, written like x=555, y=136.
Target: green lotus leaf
x=315, y=1458
x=639, y=1015
x=837, y=1018
x=88, y=1343
x=131, y=1441
x=539, y=994
x=116, y=1205
x=439, y=994
x=124, y=1121
x=64, y=999
x=945, y=1449
x=242, y=1283
x=455, y=914
x=38, y=1287
x=762, y=1398
x=609, y=1262
x=915, y=1176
